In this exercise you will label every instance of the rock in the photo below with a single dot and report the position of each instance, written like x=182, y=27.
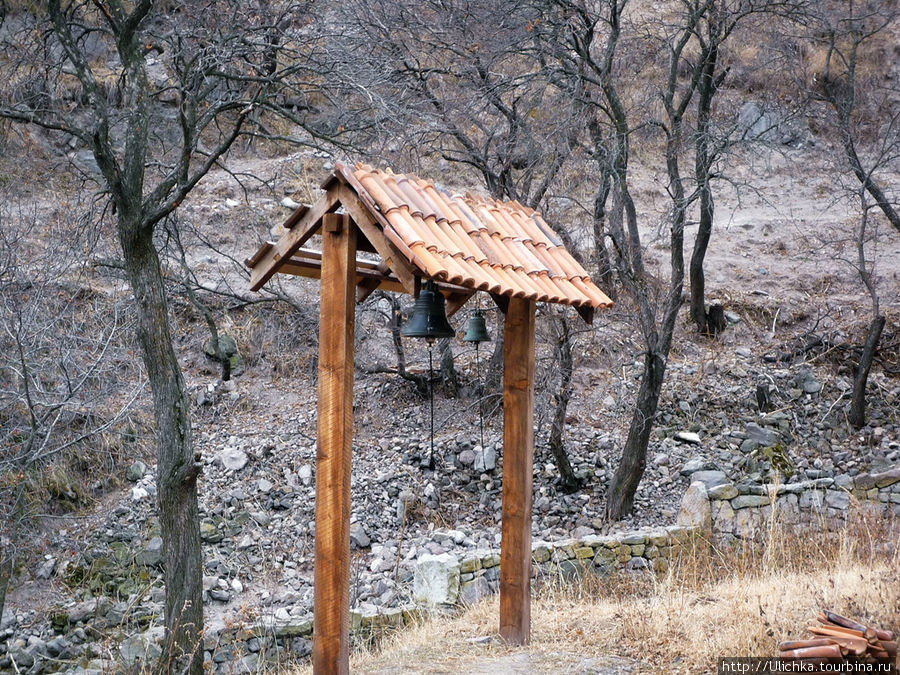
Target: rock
x=695, y=508
x=138, y=494
x=59, y=648
x=142, y=647
x=722, y=491
x=22, y=659
x=304, y=473
x=289, y=203
x=210, y=533
x=151, y=554
x=806, y=381
x=46, y=568
x=231, y=203
x=490, y=458
x=697, y=464
x=764, y=437
x=136, y=471
x=485, y=459
x=837, y=499
x=233, y=459
x=746, y=501
x=436, y=580
x=709, y=478
x=661, y=459
x=734, y=317
x=220, y=595
x=472, y=591
x=261, y=518
x=467, y=457
x=687, y=437
x=264, y=486
x=358, y=536
x=723, y=517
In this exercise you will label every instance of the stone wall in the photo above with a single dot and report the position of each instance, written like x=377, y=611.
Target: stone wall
x=445, y=580
x=441, y=583
x=742, y=510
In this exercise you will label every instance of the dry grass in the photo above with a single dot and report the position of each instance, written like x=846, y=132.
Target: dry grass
x=714, y=603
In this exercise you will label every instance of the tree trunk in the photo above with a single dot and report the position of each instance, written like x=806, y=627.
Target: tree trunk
x=494, y=371
x=448, y=366
x=421, y=381
x=857, y=415
x=601, y=254
x=177, y=470
x=706, y=89
x=6, y=567
x=698, y=255
x=11, y=529
x=562, y=352
x=620, y=495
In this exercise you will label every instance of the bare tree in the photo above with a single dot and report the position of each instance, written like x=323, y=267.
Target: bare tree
x=63, y=377
x=158, y=99
x=864, y=110
x=595, y=47
x=857, y=415
x=474, y=92
x=564, y=367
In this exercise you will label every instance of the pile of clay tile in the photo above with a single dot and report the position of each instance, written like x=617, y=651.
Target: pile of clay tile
x=838, y=637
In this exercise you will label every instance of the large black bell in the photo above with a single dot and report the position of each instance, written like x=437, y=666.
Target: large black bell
x=429, y=320
x=477, y=329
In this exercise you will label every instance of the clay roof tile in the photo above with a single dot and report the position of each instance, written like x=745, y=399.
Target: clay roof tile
x=473, y=241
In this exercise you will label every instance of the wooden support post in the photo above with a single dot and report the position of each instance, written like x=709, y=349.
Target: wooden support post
x=331, y=614
x=518, y=459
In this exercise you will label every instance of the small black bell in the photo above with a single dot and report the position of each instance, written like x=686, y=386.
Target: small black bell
x=429, y=320
x=477, y=329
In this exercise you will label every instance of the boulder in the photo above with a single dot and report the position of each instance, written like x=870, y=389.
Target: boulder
x=358, y=536
x=472, y=591
x=689, y=437
x=710, y=478
x=436, y=580
x=695, y=508
x=151, y=554
x=142, y=647
x=233, y=459
x=765, y=437
x=136, y=471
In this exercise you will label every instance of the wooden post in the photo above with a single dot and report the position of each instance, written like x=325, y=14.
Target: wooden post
x=331, y=613
x=518, y=459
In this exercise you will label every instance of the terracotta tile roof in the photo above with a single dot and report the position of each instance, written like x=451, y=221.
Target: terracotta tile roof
x=472, y=241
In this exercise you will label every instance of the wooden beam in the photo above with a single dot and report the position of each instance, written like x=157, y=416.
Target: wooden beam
x=502, y=301
x=301, y=229
x=310, y=269
x=331, y=612
x=366, y=287
x=518, y=460
x=586, y=312
x=455, y=302
x=367, y=224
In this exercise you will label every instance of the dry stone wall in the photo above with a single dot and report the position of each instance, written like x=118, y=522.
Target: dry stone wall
x=740, y=511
